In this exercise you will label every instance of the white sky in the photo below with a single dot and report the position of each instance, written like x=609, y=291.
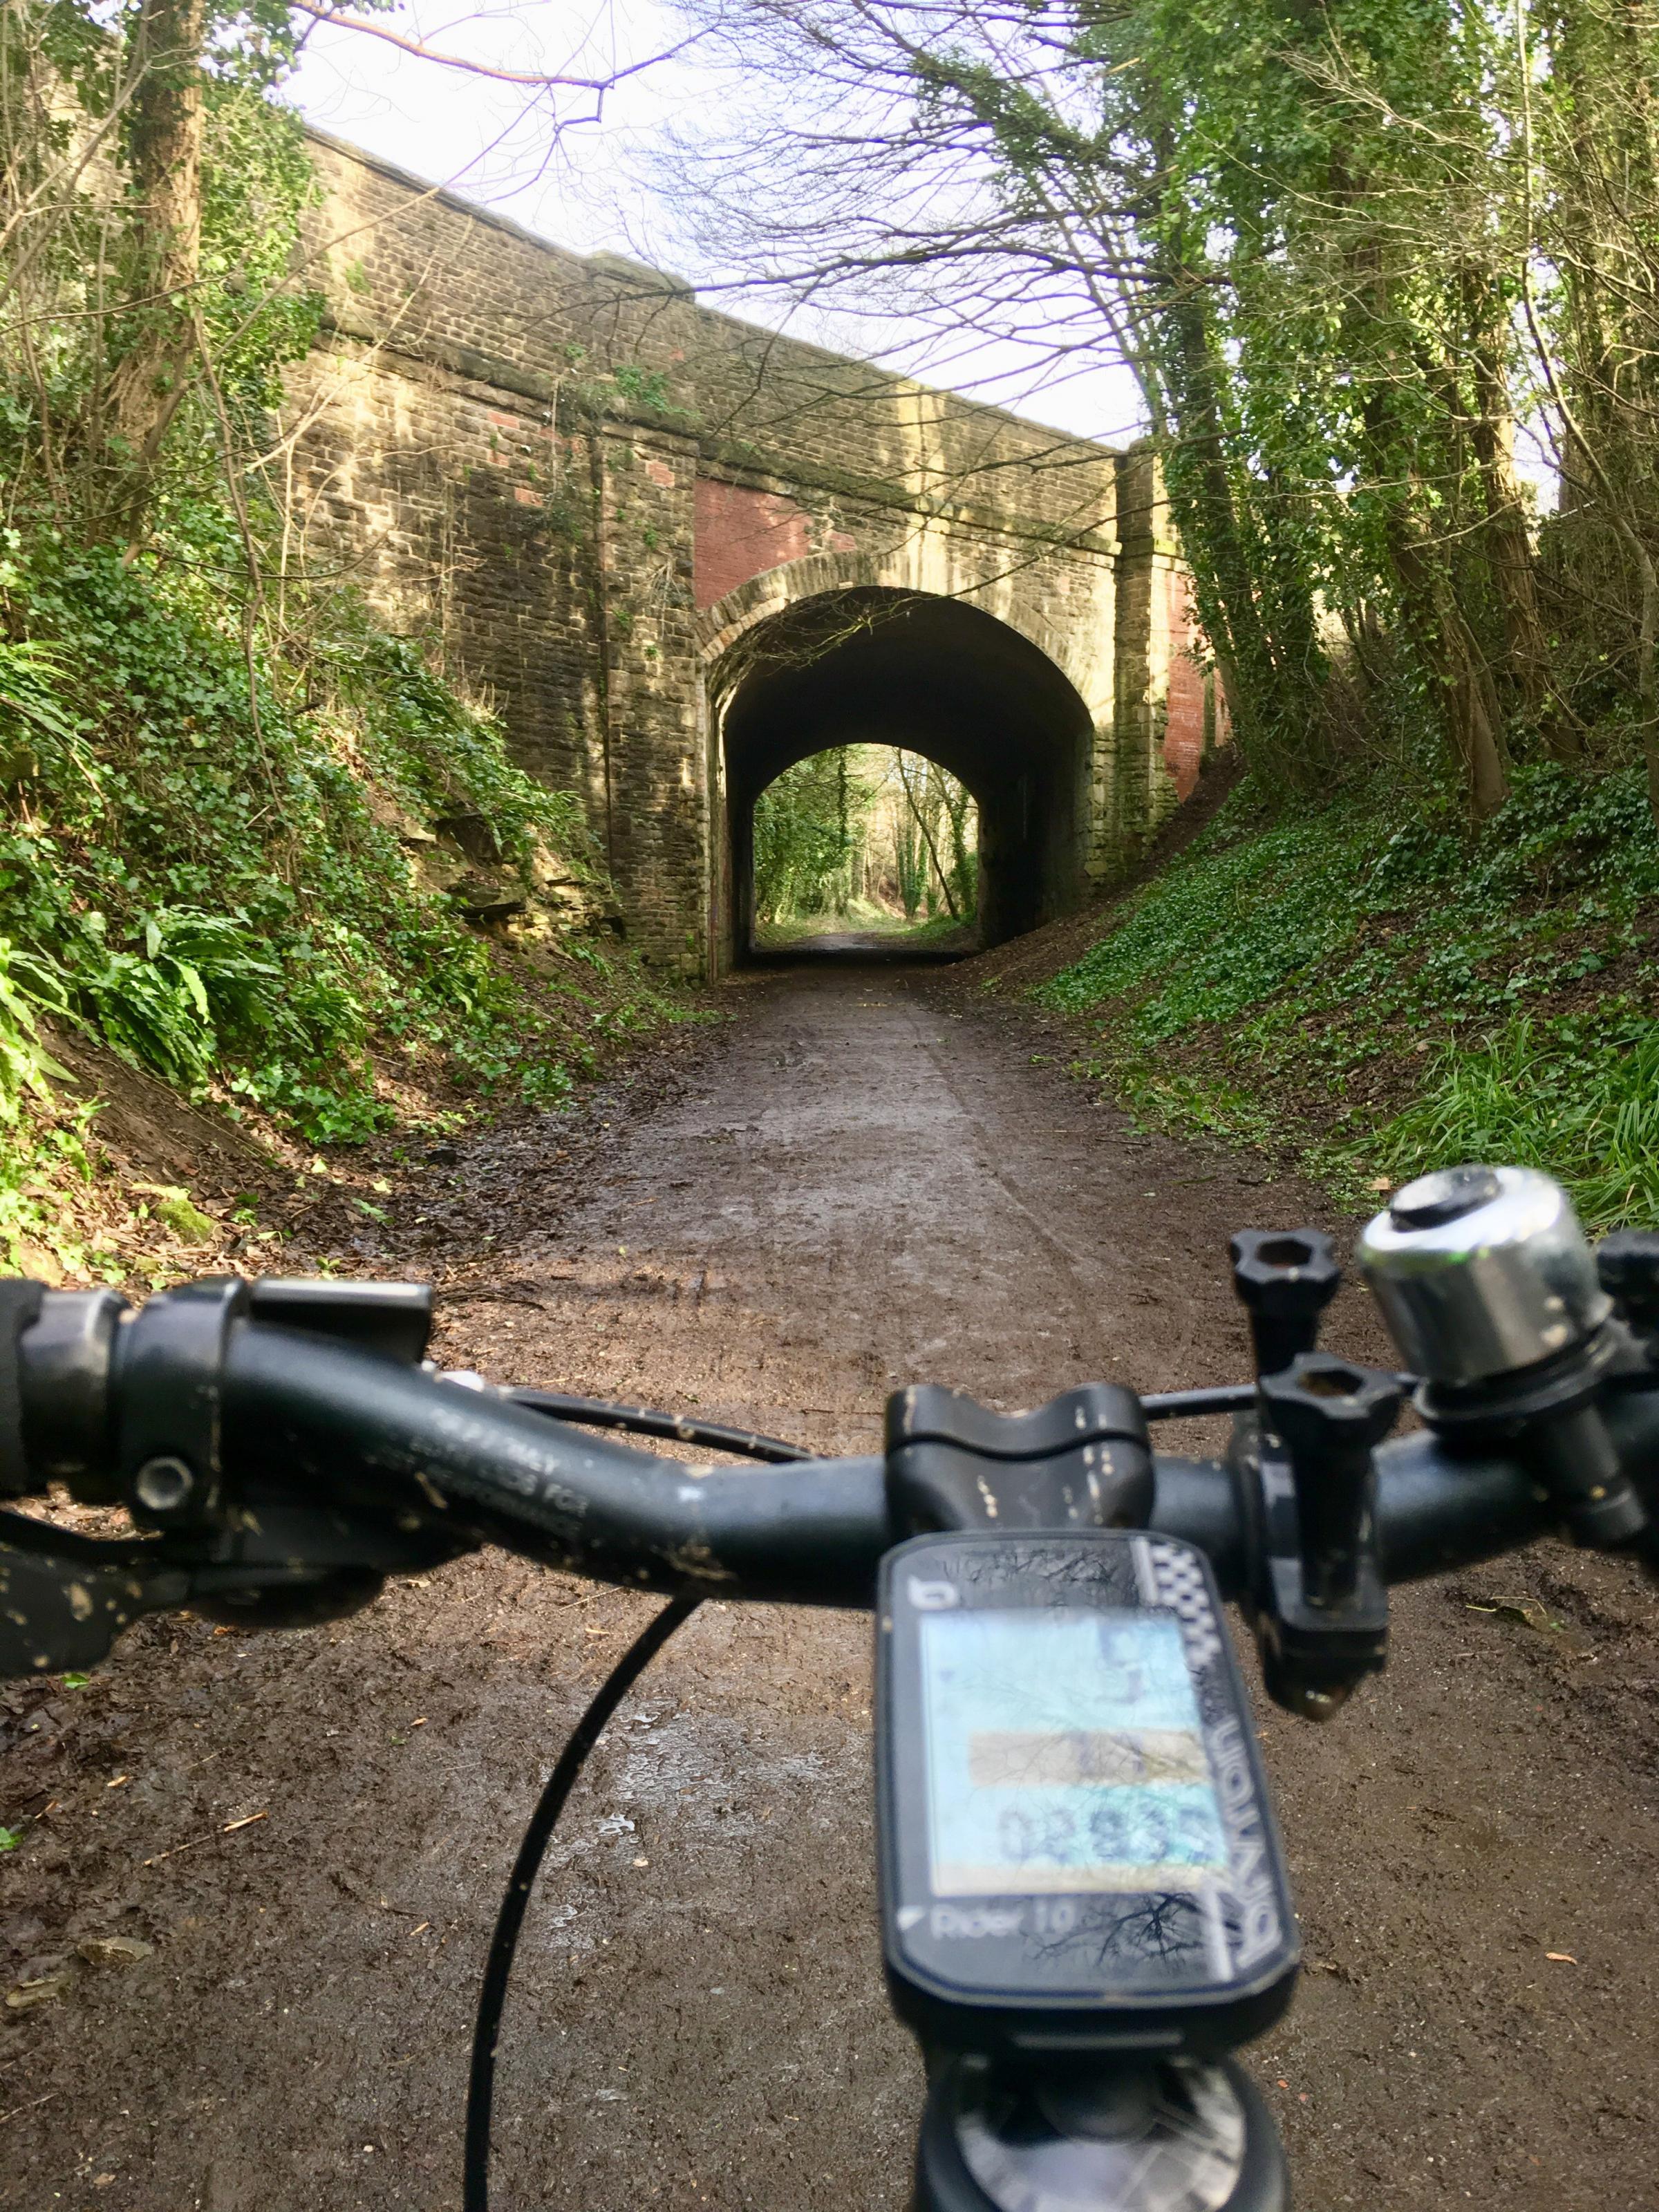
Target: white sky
x=581, y=187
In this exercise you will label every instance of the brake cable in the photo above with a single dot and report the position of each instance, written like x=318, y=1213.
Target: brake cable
x=492, y=1997
x=642, y=1421
x=681, y=1428
x=504, y=1944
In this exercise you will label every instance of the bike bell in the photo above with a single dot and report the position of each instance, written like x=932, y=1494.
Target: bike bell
x=1480, y=1272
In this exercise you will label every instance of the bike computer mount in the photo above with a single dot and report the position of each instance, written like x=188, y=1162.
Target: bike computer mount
x=1077, y=1852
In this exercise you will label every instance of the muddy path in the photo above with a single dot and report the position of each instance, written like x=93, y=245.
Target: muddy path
x=868, y=1176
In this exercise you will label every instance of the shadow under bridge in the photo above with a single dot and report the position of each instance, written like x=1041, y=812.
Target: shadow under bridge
x=934, y=676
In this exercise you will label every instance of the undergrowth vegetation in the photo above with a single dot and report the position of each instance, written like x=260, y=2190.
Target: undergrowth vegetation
x=197, y=868
x=1389, y=996
x=206, y=872
x=251, y=841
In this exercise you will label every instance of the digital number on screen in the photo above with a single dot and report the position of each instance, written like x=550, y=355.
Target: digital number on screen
x=1065, y=1753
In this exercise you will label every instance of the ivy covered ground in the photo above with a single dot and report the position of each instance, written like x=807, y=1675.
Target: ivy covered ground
x=274, y=903
x=244, y=877
x=1382, y=996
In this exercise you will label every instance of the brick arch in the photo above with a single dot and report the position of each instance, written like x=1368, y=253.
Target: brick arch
x=821, y=653
x=598, y=571
x=991, y=585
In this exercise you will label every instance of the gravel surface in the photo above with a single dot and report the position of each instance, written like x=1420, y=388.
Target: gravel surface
x=868, y=1176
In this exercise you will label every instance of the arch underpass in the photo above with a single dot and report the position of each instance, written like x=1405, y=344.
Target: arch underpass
x=933, y=676
x=592, y=568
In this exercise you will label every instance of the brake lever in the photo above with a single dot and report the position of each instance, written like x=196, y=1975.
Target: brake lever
x=256, y=1558
x=64, y=1597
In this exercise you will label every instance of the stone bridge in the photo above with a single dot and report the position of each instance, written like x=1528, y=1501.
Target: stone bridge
x=680, y=553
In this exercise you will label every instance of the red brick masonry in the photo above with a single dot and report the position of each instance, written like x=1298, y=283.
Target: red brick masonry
x=740, y=533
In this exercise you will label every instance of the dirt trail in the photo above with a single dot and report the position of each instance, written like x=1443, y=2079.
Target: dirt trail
x=868, y=1177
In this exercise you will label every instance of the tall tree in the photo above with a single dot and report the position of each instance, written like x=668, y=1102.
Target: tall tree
x=106, y=120
x=164, y=148
x=1346, y=256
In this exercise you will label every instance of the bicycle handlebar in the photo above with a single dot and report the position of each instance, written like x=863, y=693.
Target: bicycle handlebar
x=281, y=1449
x=812, y=1533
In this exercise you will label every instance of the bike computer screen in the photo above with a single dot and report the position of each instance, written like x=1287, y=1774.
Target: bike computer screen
x=1076, y=1843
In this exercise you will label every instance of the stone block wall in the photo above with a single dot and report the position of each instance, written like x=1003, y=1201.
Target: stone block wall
x=462, y=513
x=1166, y=716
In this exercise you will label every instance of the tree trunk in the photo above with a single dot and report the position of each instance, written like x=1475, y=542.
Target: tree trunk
x=1399, y=454
x=1473, y=718
x=164, y=155
x=1233, y=621
x=1508, y=548
x=927, y=840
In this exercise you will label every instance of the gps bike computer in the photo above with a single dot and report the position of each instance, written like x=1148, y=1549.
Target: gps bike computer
x=1076, y=1848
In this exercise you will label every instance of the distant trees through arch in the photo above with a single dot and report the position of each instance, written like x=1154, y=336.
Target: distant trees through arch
x=975, y=745
x=870, y=837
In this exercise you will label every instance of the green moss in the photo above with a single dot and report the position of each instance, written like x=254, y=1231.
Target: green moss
x=186, y=1220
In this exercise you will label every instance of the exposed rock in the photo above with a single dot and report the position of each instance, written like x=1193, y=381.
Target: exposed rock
x=474, y=834
x=43, y=1988
x=114, y=1950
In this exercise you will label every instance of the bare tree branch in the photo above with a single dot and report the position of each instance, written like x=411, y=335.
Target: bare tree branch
x=540, y=79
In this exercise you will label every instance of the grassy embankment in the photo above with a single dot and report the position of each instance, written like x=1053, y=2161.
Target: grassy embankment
x=305, y=891
x=1375, y=999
